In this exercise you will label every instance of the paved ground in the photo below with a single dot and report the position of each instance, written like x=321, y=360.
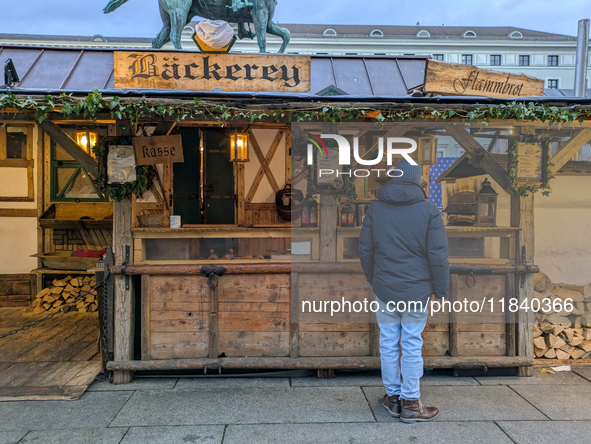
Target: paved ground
x=545, y=408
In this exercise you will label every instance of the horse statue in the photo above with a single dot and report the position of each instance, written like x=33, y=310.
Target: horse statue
x=176, y=14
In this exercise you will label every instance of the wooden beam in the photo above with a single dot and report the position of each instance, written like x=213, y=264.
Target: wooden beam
x=16, y=163
x=124, y=289
x=398, y=130
x=361, y=362
x=473, y=148
x=522, y=216
x=10, y=212
x=264, y=169
x=570, y=148
x=71, y=147
x=16, y=199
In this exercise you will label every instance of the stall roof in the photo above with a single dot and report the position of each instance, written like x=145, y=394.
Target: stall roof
x=50, y=70
x=462, y=168
x=88, y=69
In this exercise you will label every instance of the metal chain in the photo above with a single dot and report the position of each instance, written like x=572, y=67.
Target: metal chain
x=104, y=336
x=49, y=316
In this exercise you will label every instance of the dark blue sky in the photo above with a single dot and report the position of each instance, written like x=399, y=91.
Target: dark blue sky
x=140, y=18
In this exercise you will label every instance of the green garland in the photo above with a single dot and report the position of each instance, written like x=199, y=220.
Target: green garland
x=513, y=164
x=145, y=175
x=92, y=106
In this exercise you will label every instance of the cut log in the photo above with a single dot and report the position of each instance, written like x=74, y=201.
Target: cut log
x=540, y=343
x=537, y=331
x=60, y=283
x=49, y=299
x=547, y=327
x=47, y=306
x=542, y=282
x=587, y=334
x=567, y=348
x=555, y=319
x=577, y=353
x=550, y=354
x=551, y=340
x=561, y=354
x=585, y=345
x=39, y=309
x=557, y=329
x=559, y=342
x=75, y=282
x=569, y=333
x=539, y=352
x=56, y=290
x=563, y=294
x=43, y=292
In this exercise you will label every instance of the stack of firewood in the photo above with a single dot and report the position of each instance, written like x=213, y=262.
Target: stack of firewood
x=564, y=334
x=65, y=291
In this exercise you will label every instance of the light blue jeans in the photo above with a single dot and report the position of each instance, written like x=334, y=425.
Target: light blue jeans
x=401, y=330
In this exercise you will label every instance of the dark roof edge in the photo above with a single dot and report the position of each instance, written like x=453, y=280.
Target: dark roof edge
x=222, y=95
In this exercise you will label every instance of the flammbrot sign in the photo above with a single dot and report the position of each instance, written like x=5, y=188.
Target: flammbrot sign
x=205, y=72
x=467, y=80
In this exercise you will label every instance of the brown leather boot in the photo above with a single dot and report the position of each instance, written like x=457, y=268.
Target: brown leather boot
x=414, y=411
x=392, y=404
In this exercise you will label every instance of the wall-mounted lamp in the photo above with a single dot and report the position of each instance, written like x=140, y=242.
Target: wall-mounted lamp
x=239, y=147
x=86, y=140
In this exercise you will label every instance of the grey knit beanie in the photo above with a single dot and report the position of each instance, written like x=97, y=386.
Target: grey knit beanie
x=411, y=173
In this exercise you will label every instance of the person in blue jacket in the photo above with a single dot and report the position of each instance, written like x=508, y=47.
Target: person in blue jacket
x=403, y=250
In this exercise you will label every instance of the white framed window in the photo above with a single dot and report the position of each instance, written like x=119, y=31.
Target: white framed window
x=376, y=33
x=495, y=60
x=553, y=83
x=330, y=32
x=469, y=35
x=516, y=35
x=439, y=57
x=423, y=33
x=467, y=59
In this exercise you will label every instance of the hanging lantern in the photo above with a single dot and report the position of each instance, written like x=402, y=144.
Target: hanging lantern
x=428, y=150
x=486, y=206
x=239, y=147
x=86, y=140
x=347, y=216
x=309, y=212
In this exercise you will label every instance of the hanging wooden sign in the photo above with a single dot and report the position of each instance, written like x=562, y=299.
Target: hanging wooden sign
x=467, y=80
x=529, y=168
x=205, y=72
x=158, y=149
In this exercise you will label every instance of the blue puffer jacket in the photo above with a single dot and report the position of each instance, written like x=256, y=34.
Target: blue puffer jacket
x=403, y=245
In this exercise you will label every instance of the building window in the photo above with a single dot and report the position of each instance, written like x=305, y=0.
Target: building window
x=69, y=181
x=516, y=35
x=523, y=60
x=466, y=59
x=423, y=33
x=553, y=60
x=495, y=60
x=376, y=33
x=330, y=33
x=16, y=151
x=438, y=57
x=553, y=83
x=469, y=34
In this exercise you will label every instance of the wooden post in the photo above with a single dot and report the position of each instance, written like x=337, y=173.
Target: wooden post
x=124, y=290
x=522, y=216
x=294, y=329
x=453, y=321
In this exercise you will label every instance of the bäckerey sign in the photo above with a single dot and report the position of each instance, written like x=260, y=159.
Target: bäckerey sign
x=205, y=72
x=467, y=80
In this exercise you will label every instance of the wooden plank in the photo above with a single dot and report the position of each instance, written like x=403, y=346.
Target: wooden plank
x=333, y=344
x=254, y=321
x=359, y=362
x=179, y=345
x=230, y=72
x=254, y=343
x=41, y=393
x=467, y=80
x=16, y=199
x=145, y=345
x=214, y=322
x=30, y=183
x=435, y=343
x=522, y=216
x=255, y=288
x=336, y=327
x=482, y=343
x=474, y=149
x=16, y=163
x=240, y=193
x=570, y=148
x=510, y=326
x=264, y=168
x=254, y=306
x=87, y=375
x=453, y=323
x=71, y=147
x=179, y=321
x=124, y=323
x=9, y=212
x=294, y=328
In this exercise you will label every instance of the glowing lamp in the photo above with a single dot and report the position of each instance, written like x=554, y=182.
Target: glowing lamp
x=486, y=206
x=86, y=140
x=347, y=216
x=239, y=147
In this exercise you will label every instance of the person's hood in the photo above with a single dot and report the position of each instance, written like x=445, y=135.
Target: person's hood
x=399, y=192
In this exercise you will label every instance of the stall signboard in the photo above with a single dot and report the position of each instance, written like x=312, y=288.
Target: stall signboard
x=467, y=80
x=529, y=168
x=206, y=72
x=158, y=149
x=120, y=164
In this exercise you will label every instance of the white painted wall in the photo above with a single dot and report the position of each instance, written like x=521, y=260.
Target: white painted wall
x=18, y=235
x=563, y=230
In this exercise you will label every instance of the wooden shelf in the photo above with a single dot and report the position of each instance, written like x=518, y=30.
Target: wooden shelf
x=52, y=271
x=209, y=232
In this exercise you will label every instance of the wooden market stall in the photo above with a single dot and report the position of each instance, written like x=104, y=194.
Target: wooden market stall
x=223, y=290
